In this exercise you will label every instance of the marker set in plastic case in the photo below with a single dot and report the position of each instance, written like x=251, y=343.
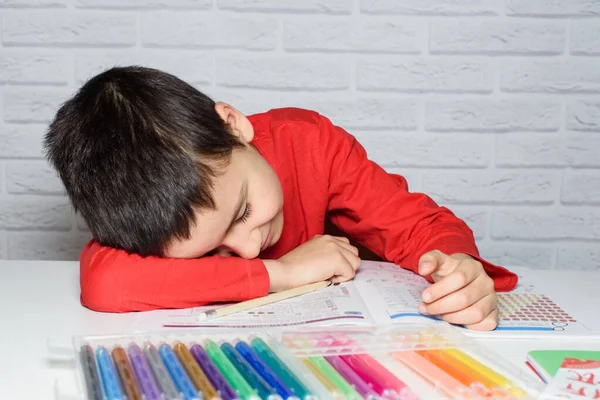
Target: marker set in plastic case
x=402, y=362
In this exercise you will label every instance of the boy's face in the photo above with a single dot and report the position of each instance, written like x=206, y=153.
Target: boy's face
x=249, y=199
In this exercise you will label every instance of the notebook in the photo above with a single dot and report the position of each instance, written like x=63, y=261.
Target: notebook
x=546, y=363
x=383, y=293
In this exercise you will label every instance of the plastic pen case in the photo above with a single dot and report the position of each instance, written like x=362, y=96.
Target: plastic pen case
x=414, y=362
x=432, y=360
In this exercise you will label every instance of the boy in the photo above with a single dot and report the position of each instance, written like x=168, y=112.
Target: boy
x=190, y=202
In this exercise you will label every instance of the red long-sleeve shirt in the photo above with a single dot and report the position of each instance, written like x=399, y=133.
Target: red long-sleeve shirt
x=322, y=169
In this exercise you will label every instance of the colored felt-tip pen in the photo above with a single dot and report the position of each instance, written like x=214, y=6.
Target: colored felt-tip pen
x=264, y=371
x=213, y=373
x=271, y=359
x=160, y=373
x=351, y=377
x=142, y=371
x=235, y=379
x=312, y=383
x=263, y=389
x=182, y=381
x=90, y=373
x=108, y=372
x=334, y=376
x=379, y=377
x=197, y=376
x=130, y=387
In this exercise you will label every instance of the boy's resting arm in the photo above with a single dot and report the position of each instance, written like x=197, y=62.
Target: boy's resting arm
x=377, y=210
x=113, y=280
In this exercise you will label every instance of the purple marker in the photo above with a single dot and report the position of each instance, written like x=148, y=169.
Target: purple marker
x=143, y=373
x=352, y=377
x=212, y=373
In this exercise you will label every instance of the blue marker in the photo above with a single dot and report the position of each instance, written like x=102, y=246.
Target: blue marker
x=263, y=370
x=266, y=354
x=261, y=387
x=108, y=372
x=182, y=381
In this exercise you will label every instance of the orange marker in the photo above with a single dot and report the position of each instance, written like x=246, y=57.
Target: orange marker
x=453, y=368
x=485, y=375
x=126, y=373
x=434, y=375
x=195, y=373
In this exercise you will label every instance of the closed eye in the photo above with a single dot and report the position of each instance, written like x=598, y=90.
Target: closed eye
x=245, y=215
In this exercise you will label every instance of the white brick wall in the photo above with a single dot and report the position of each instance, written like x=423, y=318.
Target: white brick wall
x=490, y=106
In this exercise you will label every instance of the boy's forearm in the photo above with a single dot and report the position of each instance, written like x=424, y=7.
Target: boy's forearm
x=115, y=281
x=278, y=280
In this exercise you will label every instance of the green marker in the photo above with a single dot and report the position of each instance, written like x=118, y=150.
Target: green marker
x=279, y=368
x=330, y=373
x=262, y=388
x=232, y=375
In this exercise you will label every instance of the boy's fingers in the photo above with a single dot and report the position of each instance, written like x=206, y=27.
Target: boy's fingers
x=476, y=314
x=456, y=280
x=347, y=246
x=341, y=239
x=346, y=270
x=353, y=259
x=340, y=279
x=429, y=262
x=488, y=324
x=460, y=299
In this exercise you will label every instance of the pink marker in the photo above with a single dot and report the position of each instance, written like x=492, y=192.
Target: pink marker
x=362, y=387
x=378, y=377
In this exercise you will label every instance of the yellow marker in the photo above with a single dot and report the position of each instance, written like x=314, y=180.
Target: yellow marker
x=333, y=390
x=484, y=374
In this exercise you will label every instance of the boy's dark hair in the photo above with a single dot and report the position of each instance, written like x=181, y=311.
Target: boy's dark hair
x=138, y=150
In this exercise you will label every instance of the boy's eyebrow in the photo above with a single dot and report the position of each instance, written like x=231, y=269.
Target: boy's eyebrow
x=241, y=201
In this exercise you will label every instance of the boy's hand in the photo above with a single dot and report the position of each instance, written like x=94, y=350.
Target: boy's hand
x=462, y=293
x=319, y=259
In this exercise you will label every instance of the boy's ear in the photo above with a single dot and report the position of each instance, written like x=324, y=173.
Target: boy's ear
x=239, y=124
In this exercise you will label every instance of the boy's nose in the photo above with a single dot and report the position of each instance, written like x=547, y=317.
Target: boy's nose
x=247, y=246
x=225, y=252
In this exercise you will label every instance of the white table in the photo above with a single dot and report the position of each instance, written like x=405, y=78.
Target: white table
x=40, y=301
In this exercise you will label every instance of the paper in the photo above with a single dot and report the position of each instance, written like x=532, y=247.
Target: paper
x=537, y=307
x=392, y=292
x=576, y=379
x=547, y=362
x=384, y=293
x=334, y=305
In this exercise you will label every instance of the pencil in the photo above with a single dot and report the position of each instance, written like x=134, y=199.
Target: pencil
x=261, y=301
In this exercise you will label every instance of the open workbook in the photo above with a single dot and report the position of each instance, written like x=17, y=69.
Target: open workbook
x=383, y=293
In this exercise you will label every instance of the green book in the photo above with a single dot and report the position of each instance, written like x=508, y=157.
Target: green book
x=546, y=362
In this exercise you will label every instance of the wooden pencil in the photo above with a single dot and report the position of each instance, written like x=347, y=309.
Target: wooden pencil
x=261, y=301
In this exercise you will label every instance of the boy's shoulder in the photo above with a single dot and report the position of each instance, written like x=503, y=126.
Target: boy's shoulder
x=288, y=115
x=299, y=126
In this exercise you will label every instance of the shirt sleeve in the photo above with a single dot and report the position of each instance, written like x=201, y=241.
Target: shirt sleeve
x=113, y=280
x=377, y=209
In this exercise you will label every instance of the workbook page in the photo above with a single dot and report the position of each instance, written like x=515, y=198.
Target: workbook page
x=334, y=305
x=541, y=306
x=537, y=307
x=391, y=293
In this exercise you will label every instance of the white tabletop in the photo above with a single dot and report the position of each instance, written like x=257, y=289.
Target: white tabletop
x=40, y=302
